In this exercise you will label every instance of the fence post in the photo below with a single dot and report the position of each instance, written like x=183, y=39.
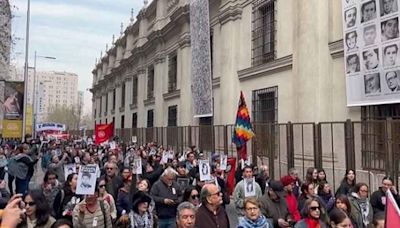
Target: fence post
x=225, y=139
x=349, y=145
x=290, y=145
x=317, y=146
x=389, y=148
x=271, y=149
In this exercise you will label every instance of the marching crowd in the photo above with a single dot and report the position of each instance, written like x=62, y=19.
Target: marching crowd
x=170, y=192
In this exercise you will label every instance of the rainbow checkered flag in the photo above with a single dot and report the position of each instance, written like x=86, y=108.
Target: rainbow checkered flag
x=243, y=130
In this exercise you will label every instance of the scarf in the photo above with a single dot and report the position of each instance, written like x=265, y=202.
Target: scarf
x=30, y=223
x=261, y=222
x=312, y=223
x=138, y=221
x=364, y=206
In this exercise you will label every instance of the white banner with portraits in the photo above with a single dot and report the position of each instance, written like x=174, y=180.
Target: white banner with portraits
x=371, y=51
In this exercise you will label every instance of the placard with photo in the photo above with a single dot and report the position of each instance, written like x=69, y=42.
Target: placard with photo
x=224, y=162
x=86, y=180
x=68, y=169
x=204, y=169
x=371, y=42
x=138, y=165
x=249, y=187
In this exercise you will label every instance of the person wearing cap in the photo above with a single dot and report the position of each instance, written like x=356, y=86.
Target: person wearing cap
x=140, y=215
x=238, y=193
x=274, y=207
x=291, y=200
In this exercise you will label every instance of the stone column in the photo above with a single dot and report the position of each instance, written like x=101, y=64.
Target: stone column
x=142, y=85
x=160, y=78
x=311, y=60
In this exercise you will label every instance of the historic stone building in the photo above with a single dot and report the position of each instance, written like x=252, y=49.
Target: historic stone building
x=286, y=56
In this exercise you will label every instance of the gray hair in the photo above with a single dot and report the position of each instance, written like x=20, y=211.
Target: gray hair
x=185, y=205
x=169, y=171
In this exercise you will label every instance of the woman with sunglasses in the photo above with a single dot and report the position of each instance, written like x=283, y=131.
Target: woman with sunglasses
x=311, y=215
x=104, y=195
x=191, y=195
x=37, y=211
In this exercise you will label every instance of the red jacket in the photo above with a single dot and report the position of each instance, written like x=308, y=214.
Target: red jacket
x=292, y=206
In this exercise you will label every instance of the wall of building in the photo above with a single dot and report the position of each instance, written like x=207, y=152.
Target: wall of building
x=308, y=67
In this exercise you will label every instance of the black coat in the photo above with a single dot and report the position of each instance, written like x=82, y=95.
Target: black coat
x=376, y=200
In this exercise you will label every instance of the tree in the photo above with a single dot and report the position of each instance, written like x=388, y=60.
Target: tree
x=64, y=115
x=87, y=121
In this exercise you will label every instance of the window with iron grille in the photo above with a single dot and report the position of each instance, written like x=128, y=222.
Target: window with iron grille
x=134, y=90
x=263, y=35
x=150, y=82
x=122, y=121
x=114, y=93
x=172, y=116
x=123, y=87
x=150, y=118
x=374, y=134
x=265, y=105
x=172, y=72
x=134, y=120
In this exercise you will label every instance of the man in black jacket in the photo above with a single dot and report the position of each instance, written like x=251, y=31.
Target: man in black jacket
x=378, y=198
x=263, y=177
x=166, y=195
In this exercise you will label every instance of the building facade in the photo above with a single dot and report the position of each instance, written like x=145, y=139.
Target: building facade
x=286, y=56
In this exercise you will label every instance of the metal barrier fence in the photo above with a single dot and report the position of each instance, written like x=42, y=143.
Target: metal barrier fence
x=372, y=148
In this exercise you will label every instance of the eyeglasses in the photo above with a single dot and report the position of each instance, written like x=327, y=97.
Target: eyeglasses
x=31, y=204
x=194, y=196
x=315, y=208
x=109, y=168
x=217, y=193
x=102, y=186
x=252, y=209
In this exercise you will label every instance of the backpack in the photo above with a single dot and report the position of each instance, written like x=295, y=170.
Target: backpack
x=46, y=160
x=17, y=169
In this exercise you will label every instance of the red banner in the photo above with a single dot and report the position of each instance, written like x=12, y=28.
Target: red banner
x=392, y=211
x=104, y=132
x=230, y=183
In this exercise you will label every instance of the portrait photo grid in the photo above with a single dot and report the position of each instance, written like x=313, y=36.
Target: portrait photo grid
x=371, y=51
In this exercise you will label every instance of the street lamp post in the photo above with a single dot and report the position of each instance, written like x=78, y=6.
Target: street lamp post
x=28, y=14
x=34, y=102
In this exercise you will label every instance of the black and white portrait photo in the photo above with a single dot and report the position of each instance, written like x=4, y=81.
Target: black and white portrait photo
x=68, y=169
x=224, y=162
x=390, y=29
x=351, y=41
x=369, y=34
x=372, y=83
x=87, y=176
x=85, y=183
x=371, y=59
x=368, y=11
x=249, y=187
x=350, y=17
x=352, y=63
x=393, y=80
x=204, y=169
x=388, y=7
x=138, y=165
x=390, y=55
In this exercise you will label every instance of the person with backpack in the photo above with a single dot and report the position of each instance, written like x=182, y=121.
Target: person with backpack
x=66, y=199
x=21, y=166
x=92, y=212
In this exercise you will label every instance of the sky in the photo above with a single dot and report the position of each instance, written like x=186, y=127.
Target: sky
x=72, y=31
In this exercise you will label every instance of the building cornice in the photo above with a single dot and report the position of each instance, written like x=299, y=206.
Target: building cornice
x=336, y=49
x=149, y=101
x=278, y=65
x=230, y=13
x=172, y=95
x=216, y=82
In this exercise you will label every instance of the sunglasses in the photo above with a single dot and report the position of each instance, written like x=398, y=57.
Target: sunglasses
x=194, y=196
x=102, y=186
x=315, y=208
x=109, y=168
x=30, y=203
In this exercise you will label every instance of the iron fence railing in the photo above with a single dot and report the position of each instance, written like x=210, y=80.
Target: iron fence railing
x=371, y=147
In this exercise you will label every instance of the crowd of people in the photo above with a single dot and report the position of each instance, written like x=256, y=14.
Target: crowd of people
x=170, y=192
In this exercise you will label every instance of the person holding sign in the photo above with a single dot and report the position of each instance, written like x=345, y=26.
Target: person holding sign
x=239, y=192
x=92, y=212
